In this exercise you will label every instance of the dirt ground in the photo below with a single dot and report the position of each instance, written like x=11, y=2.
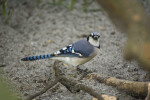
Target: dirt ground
x=43, y=28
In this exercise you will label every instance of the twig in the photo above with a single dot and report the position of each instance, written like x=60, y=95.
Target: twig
x=43, y=91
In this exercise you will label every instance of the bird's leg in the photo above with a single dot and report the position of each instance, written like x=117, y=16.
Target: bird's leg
x=83, y=72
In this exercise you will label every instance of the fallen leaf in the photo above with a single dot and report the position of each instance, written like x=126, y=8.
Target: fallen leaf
x=91, y=77
x=26, y=45
x=45, y=45
x=94, y=99
x=64, y=64
x=28, y=52
x=74, y=76
x=101, y=28
x=106, y=97
x=112, y=33
x=27, y=87
x=136, y=17
x=49, y=41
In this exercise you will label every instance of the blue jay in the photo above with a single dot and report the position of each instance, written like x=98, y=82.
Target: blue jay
x=75, y=54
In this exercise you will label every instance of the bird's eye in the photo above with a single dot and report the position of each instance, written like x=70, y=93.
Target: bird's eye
x=91, y=35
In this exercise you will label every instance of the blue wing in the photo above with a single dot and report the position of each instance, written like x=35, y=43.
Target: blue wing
x=81, y=48
x=67, y=51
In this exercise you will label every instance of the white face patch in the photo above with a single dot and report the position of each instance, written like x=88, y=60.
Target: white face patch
x=70, y=45
x=94, y=42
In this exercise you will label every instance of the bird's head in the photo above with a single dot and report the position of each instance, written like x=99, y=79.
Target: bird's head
x=94, y=39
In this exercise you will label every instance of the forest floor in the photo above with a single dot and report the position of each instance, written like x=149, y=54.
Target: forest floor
x=42, y=28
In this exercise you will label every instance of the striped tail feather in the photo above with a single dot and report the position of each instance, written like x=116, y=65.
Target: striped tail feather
x=32, y=58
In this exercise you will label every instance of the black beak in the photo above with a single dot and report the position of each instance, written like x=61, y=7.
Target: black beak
x=99, y=46
x=95, y=37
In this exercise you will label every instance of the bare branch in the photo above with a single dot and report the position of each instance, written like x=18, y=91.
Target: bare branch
x=136, y=89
